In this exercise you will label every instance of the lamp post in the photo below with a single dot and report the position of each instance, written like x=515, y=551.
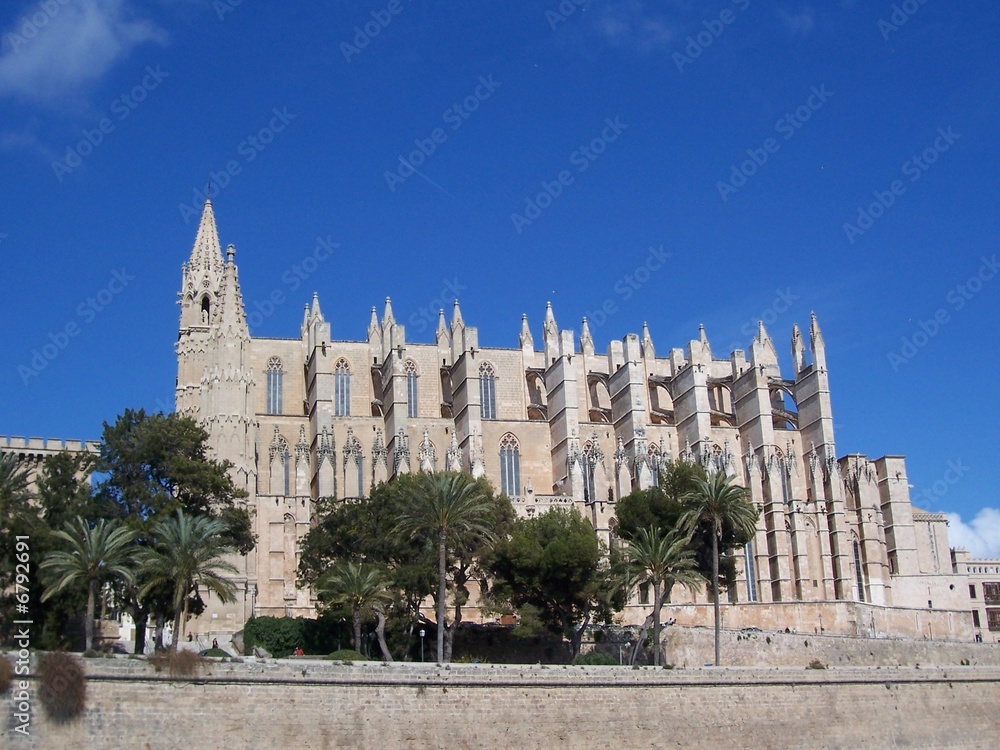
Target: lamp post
x=422, y=634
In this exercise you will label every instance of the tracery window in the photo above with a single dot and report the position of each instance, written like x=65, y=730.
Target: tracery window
x=411, y=389
x=275, y=374
x=510, y=466
x=488, y=390
x=342, y=389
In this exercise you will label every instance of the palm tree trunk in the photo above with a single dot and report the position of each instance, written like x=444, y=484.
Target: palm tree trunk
x=89, y=625
x=380, y=632
x=141, y=620
x=656, y=623
x=715, y=593
x=641, y=638
x=442, y=588
x=356, y=619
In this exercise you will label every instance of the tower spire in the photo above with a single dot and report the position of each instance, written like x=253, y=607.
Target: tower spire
x=206, y=255
x=525, y=337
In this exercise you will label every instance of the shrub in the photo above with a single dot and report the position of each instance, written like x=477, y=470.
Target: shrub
x=6, y=675
x=345, y=654
x=215, y=652
x=595, y=659
x=280, y=636
x=62, y=686
x=182, y=663
x=816, y=664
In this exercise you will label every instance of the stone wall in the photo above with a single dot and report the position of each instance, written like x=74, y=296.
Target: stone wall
x=311, y=704
x=692, y=647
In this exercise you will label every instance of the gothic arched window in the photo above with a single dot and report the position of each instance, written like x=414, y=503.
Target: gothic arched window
x=286, y=459
x=274, y=378
x=411, y=389
x=488, y=390
x=589, y=462
x=342, y=389
x=510, y=466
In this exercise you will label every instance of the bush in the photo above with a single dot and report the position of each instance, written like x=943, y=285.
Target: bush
x=62, y=686
x=280, y=636
x=346, y=654
x=215, y=652
x=595, y=659
x=182, y=663
x=6, y=675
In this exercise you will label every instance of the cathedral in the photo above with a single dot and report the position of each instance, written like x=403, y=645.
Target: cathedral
x=839, y=548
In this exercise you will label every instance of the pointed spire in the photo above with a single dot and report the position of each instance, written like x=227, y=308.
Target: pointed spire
x=442, y=326
x=762, y=351
x=798, y=349
x=815, y=335
x=648, y=350
x=549, y=324
x=316, y=312
x=817, y=344
x=231, y=313
x=525, y=338
x=305, y=316
x=456, y=316
x=207, y=251
x=387, y=319
x=586, y=340
x=373, y=327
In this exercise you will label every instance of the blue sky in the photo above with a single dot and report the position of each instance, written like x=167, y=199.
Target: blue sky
x=788, y=157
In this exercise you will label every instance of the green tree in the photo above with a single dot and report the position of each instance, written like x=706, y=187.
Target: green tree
x=715, y=504
x=154, y=465
x=661, y=560
x=444, y=507
x=363, y=589
x=92, y=555
x=555, y=563
x=188, y=553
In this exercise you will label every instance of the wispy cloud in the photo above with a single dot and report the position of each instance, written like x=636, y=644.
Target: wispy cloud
x=74, y=46
x=800, y=22
x=628, y=24
x=981, y=536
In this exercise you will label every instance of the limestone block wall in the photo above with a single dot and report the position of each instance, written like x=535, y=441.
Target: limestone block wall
x=319, y=705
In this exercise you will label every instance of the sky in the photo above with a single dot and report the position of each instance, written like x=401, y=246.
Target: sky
x=676, y=163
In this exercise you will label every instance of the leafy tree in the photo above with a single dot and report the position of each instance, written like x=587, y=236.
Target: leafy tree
x=92, y=555
x=363, y=589
x=662, y=559
x=715, y=504
x=154, y=465
x=555, y=563
x=445, y=508
x=189, y=552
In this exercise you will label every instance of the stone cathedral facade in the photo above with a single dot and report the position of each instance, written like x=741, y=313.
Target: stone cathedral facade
x=553, y=422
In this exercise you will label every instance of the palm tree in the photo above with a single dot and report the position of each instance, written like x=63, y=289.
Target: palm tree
x=717, y=503
x=93, y=554
x=363, y=588
x=13, y=477
x=188, y=553
x=662, y=560
x=442, y=506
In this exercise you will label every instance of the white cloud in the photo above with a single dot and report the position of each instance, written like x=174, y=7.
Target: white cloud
x=981, y=536
x=800, y=23
x=50, y=54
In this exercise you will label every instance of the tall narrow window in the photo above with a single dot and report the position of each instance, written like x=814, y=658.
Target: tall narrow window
x=589, y=461
x=287, y=461
x=274, y=378
x=342, y=389
x=488, y=390
x=750, y=571
x=411, y=388
x=655, y=463
x=858, y=572
x=510, y=466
